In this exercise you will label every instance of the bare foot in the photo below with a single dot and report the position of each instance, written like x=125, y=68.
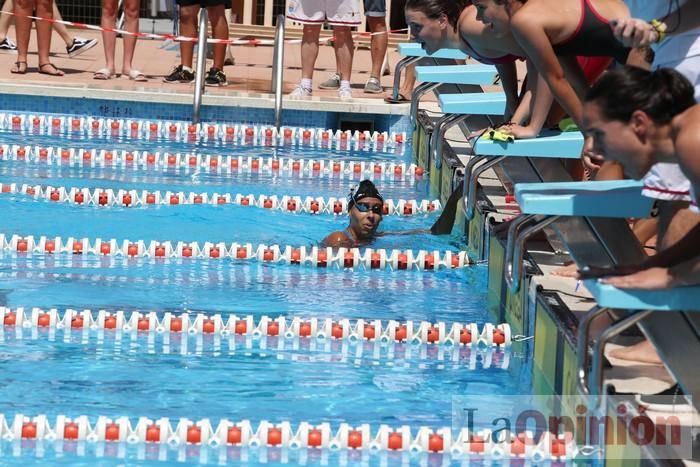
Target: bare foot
x=642, y=352
x=570, y=270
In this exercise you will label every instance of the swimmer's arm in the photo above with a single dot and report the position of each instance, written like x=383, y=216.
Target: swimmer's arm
x=509, y=80
x=532, y=37
x=687, y=247
x=336, y=240
x=541, y=100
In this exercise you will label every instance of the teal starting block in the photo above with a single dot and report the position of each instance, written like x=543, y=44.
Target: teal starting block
x=613, y=198
x=489, y=103
x=563, y=145
x=413, y=49
x=679, y=298
x=457, y=74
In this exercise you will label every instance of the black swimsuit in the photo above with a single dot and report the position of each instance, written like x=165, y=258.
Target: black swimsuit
x=593, y=38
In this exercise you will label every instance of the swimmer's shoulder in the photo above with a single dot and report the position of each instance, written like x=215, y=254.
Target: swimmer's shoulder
x=338, y=239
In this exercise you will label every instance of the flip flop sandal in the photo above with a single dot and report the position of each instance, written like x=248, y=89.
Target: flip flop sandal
x=399, y=100
x=18, y=70
x=136, y=75
x=55, y=72
x=103, y=74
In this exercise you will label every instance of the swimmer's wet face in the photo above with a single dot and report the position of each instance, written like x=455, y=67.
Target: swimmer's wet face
x=618, y=141
x=495, y=14
x=428, y=32
x=365, y=216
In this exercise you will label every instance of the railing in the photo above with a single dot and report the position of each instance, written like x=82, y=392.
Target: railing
x=277, y=69
x=201, y=62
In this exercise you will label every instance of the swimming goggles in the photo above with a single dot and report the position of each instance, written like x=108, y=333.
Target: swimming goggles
x=375, y=208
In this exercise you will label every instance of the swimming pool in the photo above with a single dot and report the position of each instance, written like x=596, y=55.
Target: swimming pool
x=197, y=375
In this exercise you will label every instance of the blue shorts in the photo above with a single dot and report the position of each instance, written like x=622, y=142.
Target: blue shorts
x=375, y=8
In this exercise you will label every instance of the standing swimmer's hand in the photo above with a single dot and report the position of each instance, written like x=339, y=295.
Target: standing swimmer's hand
x=633, y=32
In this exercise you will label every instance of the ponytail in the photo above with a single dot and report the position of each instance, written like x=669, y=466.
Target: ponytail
x=661, y=94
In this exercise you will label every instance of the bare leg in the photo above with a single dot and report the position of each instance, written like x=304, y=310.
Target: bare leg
x=23, y=8
x=109, y=39
x=409, y=81
x=343, y=51
x=219, y=27
x=378, y=44
x=131, y=24
x=5, y=19
x=60, y=28
x=188, y=28
x=309, y=50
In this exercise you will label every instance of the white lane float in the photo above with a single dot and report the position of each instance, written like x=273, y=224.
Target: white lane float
x=322, y=257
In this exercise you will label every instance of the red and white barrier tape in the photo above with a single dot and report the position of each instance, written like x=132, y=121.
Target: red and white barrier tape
x=500, y=445
x=211, y=163
x=423, y=332
x=228, y=133
x=133, y=198
x=171, y=37
x=322, y=257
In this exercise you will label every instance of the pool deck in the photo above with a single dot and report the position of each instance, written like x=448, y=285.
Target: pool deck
x=249, y=79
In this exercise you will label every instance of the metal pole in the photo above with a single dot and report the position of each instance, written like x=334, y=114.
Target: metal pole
x=277, y=69
x=201, y=62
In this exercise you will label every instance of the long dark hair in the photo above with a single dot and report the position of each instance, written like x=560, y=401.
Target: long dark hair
x=661, y=94
x=433, y=9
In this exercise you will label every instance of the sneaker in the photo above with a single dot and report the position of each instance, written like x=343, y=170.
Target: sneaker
x=345, y=94
x=215, y=77
x=179, y=75
x=7, y=46
x=331, y=83
x=300, y=92
x=373, y=86
x=79, y=46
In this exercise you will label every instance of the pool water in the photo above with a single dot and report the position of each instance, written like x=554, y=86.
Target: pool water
x=108, y=374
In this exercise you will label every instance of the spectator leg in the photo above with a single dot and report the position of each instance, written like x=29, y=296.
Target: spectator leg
x=219, y=26
x=343, y=51
x=109, y=39
x=131, y=24
x=5, y=19
x=188, y=28
x=309, y=49
x=378, y=44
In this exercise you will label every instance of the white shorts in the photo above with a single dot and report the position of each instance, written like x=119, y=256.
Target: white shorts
x=333, y=12
x=666, y=181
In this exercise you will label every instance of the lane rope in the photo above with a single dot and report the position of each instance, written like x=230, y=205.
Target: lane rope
x=107, y=197
x=183, y=431
x=212, y=163
x=416, y=333
x=322, y=257
x=225, y=133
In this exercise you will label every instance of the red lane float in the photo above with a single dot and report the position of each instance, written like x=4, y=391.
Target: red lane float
x=227, y=133
x=135, y=198
x=414, y=332
x=213, y=164
x=183, y=431
x=365, y=258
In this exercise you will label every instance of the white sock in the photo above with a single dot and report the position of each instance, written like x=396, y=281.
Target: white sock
x=345, y=84
x=186, y=68
x=305, y=83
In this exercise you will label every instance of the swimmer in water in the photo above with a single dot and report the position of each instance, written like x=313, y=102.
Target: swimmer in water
x=365, y=209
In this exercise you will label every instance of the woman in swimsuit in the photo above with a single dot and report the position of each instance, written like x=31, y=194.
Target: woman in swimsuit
x=437, y=24
x=639, y=118
x=552, y=34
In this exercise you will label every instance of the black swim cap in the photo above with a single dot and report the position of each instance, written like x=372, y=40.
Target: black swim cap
x=365, y=189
